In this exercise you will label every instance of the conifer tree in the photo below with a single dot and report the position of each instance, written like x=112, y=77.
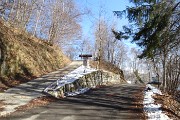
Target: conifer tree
x=157, y=27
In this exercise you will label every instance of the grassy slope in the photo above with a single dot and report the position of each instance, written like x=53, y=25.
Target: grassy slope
x=23, y=57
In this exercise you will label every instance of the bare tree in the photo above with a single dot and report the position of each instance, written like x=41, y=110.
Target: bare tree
x=121, y=55
x=101, y=35
x=64, y=24
x=86, y=46
x=55, y=20
x=38, y=15
x=173, y=74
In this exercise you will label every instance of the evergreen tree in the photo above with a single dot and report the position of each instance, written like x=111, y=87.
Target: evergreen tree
x=157, y=24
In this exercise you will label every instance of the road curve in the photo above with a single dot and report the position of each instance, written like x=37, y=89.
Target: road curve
x=116, y=102
x=24, y=93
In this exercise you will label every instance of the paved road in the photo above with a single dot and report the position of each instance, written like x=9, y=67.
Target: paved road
x=22, y=94
x=117, y=102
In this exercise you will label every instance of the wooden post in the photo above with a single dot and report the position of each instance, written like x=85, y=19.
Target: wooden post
x=85, y=59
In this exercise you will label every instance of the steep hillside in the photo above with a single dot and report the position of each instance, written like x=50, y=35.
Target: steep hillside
x=23, y=57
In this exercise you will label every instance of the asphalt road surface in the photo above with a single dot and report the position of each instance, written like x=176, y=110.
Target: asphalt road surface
x=116, y=102
x=24, y=93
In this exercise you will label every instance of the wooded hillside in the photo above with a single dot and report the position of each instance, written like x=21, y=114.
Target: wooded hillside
x=23, y=56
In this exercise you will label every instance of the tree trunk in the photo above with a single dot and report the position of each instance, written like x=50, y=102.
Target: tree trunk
x=164, y=70
x=9, y=16
x=38, y=17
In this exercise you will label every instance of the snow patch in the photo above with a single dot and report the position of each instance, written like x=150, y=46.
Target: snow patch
x=129, y=82
x=153, y=110
x=79, y=91
x=69, y=79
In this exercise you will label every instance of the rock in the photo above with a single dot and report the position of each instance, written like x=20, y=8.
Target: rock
x=147, y=89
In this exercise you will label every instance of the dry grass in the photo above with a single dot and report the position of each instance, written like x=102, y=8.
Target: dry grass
x=24, y=57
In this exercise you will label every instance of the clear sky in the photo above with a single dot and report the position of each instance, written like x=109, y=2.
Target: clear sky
x=108, y=7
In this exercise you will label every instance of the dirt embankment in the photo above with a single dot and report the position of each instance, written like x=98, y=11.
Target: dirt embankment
x=23, y=57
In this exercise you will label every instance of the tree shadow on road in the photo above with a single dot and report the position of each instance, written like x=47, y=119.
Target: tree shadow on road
x=126, y=100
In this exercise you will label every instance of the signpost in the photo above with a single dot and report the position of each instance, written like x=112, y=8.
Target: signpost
x=85, y=59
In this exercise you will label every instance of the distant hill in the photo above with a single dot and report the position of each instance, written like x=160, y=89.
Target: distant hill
x=23, y=57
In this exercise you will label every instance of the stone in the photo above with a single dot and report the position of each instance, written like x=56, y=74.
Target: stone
x=91, y=80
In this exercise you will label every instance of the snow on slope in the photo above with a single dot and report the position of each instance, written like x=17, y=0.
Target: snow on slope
x=153, y=110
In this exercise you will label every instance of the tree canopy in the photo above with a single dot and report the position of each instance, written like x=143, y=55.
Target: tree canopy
x=157, y=25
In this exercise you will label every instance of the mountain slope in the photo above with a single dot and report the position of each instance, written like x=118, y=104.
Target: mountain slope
x=23, y=56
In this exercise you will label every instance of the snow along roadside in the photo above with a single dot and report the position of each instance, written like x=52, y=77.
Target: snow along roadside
x=153, y=110
x=69, y=79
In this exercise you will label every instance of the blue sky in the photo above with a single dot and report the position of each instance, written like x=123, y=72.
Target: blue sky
x=88, y=21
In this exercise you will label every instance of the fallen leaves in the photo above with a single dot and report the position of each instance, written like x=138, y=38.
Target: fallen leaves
x=167, y=105
x=40, y=101
x=1, y=105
